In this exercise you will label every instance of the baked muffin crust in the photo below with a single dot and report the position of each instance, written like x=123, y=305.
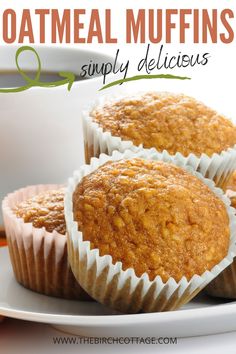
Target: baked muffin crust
x=44, y=210
x=166, y=121
x=152, y=216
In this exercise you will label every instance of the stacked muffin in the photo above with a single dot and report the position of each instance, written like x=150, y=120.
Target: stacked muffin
x=170, y=123
x=146, y=227
x=36, y=233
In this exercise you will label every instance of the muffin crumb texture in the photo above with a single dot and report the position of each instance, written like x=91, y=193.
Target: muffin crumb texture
x=44, y=210
x=152, y=216
x=172, y=122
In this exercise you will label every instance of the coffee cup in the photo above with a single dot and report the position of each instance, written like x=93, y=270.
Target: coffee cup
x=41, y=138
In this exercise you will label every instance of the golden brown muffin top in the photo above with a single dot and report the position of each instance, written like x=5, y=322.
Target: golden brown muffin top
x=44, y=210
x=166, y=121
x=152, y=216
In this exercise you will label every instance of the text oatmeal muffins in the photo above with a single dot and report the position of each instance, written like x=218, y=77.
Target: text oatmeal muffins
x=174, y=123
x=149, y=240
x=36, y=233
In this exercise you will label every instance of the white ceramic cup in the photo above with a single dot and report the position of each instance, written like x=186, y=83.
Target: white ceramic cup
x=40, y=129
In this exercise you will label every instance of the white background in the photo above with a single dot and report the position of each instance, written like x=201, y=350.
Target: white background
x=31, y=338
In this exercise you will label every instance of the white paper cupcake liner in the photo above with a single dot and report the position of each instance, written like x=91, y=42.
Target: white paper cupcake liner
x=123, y=290
x=218, y=167
x=224, y=285
x=39, y=258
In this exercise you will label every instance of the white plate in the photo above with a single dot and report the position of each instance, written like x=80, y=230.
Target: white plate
x=200, y=317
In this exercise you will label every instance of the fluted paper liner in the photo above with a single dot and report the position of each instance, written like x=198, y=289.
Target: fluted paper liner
x=218, y=167
x=39, y=258
x=123, y=290
x=225, y=284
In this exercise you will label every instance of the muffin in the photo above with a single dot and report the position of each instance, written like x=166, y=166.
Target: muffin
x=36, y=233
x=169, y=122
x=149, y=234
x=176, y=123
x=224, y=285
x=153, y=217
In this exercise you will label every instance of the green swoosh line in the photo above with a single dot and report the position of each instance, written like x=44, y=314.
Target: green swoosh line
x=69, y=77
x=142, y=77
